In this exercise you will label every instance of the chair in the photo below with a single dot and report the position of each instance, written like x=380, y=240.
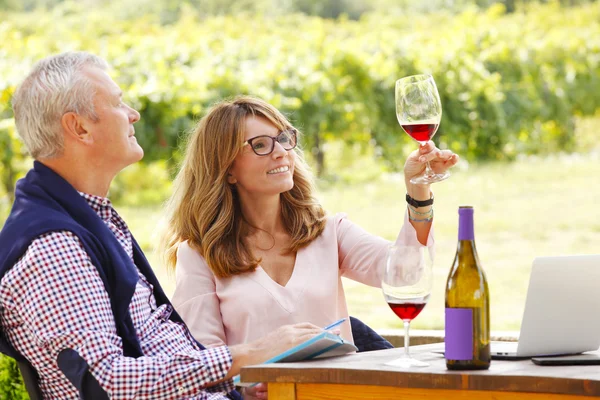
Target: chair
x=70, y=363
x=29, y=374
x=91, y=387
x=365, y=338
x=30, y=378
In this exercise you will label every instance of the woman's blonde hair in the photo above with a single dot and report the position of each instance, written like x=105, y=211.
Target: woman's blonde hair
x=204, y=208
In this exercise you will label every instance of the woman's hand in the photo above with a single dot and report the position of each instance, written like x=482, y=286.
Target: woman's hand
x=439, y=160
x=278, y=341
x=258, y=391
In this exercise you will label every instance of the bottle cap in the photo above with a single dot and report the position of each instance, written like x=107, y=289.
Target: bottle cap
x=465, y=210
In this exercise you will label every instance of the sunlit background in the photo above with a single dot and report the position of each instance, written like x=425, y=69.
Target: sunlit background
x=520, y=89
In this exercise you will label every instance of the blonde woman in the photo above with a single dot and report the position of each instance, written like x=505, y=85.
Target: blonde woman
x=251, y=246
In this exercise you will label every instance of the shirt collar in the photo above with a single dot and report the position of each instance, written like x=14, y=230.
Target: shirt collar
x=101, y=205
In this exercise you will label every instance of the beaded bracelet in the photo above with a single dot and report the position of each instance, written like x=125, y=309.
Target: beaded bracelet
x=420, y=213
x=421, y=220
x=427, y=219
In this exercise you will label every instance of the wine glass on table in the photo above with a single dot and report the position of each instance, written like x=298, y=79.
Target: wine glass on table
x=406, y=286
x=419, y=112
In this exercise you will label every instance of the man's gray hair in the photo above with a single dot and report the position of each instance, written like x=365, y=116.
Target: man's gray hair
x=54, y=87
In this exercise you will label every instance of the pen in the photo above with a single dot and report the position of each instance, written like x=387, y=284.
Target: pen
x=336, y=323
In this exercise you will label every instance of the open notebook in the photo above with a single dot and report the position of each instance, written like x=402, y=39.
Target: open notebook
x=321, y=346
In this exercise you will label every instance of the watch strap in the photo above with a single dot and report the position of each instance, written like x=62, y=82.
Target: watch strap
x=419, y=203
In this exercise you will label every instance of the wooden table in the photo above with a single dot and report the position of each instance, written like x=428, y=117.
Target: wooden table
x=364, y=376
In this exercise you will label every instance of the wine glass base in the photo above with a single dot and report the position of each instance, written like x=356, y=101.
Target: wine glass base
x=406, y=362
x=427, y=179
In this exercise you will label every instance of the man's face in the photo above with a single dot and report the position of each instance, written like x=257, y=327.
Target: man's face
x=113, y=142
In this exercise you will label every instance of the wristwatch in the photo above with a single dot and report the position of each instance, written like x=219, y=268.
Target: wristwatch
x=419, y=203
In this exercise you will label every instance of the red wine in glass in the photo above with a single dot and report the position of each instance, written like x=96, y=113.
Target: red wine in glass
x=419, y=112
x=422, y=133
x=407, y=310
x=406, y=284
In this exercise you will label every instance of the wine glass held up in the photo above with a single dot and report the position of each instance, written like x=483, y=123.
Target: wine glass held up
x=419, y=112
x=406, y=286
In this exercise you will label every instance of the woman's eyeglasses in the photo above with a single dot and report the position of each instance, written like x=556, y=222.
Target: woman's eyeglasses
x=264, y=145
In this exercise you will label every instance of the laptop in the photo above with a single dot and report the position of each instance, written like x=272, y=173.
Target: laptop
x=562, y=309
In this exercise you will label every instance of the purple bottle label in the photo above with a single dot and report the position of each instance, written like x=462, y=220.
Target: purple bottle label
x=459, y=334
x=465, y=223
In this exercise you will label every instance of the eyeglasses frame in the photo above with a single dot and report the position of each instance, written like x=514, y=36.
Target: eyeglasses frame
x=273, y=140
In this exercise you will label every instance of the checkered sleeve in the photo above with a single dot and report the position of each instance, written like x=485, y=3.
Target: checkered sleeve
x=61, y=300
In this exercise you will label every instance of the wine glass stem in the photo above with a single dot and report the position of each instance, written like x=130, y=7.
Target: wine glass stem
x=406, y=339
x=428, y=170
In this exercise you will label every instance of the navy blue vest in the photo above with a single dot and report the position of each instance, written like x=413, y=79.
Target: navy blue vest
x=45, y=202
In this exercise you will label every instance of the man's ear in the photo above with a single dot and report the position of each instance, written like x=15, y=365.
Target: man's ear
x=74, y=126
x=231, y=179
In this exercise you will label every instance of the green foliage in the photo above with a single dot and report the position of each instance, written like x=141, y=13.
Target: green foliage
x=169, y=10
x=332, y=8
x=12, y=159
x=11, y=383
x=510, y=83
x=141, y=184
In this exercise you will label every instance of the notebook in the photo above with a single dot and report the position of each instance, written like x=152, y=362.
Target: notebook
x=321, y=346
x=561, y=309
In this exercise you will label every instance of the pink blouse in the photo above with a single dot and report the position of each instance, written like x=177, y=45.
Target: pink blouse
x=242, y=308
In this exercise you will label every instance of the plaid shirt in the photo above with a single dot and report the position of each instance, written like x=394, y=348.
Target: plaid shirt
x=53, y=298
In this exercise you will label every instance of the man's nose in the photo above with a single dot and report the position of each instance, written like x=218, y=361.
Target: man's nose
x=134, y=115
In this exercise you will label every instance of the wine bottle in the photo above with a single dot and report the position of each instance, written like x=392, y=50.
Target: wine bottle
x=467, y=329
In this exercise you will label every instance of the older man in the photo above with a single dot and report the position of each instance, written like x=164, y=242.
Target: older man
x=78, y=298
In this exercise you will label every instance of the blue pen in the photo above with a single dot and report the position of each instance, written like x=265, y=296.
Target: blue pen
x=336, y=323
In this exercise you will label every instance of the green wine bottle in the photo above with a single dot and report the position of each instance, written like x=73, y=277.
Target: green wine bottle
x=467, y=329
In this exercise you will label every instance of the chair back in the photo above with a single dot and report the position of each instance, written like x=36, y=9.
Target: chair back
x=29, y=374
x=30, y=378
x=365, y=338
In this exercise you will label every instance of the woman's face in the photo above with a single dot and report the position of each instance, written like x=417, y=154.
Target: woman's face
x=258, y=176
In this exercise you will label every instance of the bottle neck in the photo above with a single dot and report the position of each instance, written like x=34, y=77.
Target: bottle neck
x=466, y=247
x=465, y=227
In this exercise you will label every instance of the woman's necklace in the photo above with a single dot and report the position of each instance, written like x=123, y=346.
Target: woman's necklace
x=256, y=240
